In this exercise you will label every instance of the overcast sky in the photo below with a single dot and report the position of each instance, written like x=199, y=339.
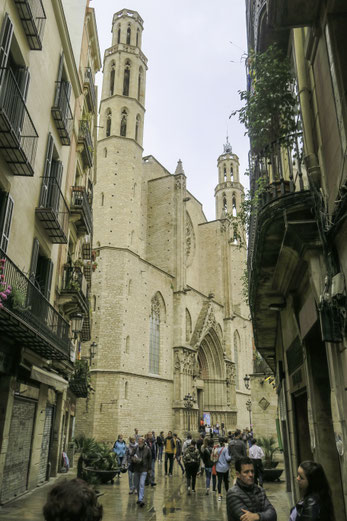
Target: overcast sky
x=194, y=74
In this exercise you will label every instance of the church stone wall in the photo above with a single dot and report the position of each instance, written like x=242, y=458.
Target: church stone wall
x=211, y=259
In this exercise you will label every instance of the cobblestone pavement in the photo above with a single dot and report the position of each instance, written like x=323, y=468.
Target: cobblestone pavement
x=167, y=501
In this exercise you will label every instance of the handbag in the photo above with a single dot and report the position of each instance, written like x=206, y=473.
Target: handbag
x=214, y=471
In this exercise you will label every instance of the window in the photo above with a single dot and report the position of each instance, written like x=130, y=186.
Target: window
x=139, y=83
x=236, y=358
x=126, y=82
x=128, y=35
x=118, y=37
x=6, y=212
x=137, y=126
x=102, y=199
x=231, y=172
x=126, y=390
x=112, y=78
x=94, y=302
x=127, y=344
x=234, y=206
x=225, y=204
x=108, y=122
x=188, y=326
x=225, y=173
x=41, y=270
x=52, y=177
x=123, y=123
x=137, y=37
x=154, y=336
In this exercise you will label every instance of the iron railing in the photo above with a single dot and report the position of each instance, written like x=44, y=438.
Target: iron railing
x=28, y=317
x=84, y=137
x=61, y=111
x=75, y=282
x=33, y=17
x=89, y=82
x=80, y=202
x=18, y=136
x=53, y=211
x=79, y=382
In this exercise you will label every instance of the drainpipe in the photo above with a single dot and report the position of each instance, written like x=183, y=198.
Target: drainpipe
x=311, y=161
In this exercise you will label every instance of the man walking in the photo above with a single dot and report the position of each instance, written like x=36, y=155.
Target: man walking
x=142, y=461
x=160, y=446
x=237, y=450
x=256, y=454
x=152, y=445
x=169, y=444
x=245, y=500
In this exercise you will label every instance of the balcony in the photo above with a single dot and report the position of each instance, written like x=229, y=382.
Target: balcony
x=33, y=17
x=61, y=111
x=74, y=293
x=81, y=211
x=90, y=90
x=86, y=328
x=18, y=136
x=28, y=318
x=79, y=382
x=87, y=247
x=281, y=228
x=283, y=14
x=53, y=211
x=85, y=139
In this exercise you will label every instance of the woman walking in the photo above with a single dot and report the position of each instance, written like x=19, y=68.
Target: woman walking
x=206, y=454
x=120, y=448
x=315, y=503
x=222, y=467
x=131, y=449
x=191, y=460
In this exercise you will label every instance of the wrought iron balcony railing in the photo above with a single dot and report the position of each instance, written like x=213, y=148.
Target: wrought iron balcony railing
x=87, y=247
x=81, y=210
x=18, y=136
x=27, y=317
x=79, y=382
x=91, y=93
x=61, y=111
x=85, y=138
x=74, y=294
x=53, y=211
x=86, y=328
x=33, y=17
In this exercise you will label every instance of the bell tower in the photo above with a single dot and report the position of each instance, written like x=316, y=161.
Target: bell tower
x=229, y=191
x=117, y=193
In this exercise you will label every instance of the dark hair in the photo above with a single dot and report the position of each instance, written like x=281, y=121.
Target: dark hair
x=254, y=441
x=193, y=443
x=210, y=442
x=189, y=436
x=221, y=439
x=318, y=484
x=242, y=461
x=72, y=500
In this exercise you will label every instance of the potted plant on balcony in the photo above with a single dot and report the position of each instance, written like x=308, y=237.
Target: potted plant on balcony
x=78, y=264
x=269, y=446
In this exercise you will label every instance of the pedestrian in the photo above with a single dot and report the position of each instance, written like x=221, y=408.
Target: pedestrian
x=136, y=434
x=120, y=448
x=222, y=430
x=72, y=500
x=256, y=454
x=160, y=446
x=151, y=443
x=169, y=444
x=178, y=453
x=237, y=450
x=315, y=503
x=222, y=467
x=206, y=454
x=142, y=461
x=198, y=446
x=214, y=458
x=245, y=500
x=186, y=443
x=129, y=463
x=191, y=460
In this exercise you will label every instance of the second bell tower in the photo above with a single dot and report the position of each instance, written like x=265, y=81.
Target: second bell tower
x=229, y=191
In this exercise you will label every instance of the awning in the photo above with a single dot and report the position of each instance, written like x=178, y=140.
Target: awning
x=48, y=378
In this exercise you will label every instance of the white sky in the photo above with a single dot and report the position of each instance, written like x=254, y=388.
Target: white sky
x=194, y=74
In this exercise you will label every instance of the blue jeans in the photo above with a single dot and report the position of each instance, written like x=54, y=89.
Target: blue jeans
x=139, y=481
x=208, y=473
x=160, y=455
x=131, y=476
x=153, y=471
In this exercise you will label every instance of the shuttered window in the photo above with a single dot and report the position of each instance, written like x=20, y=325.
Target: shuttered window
x=6, y=212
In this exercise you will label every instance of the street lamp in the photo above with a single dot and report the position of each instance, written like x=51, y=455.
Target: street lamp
x=188, y=404
x=249, y=409
x=247, y=381
x=93, y=345
x=76, y=323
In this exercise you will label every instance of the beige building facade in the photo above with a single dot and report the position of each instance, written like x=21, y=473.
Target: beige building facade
x=169, y=318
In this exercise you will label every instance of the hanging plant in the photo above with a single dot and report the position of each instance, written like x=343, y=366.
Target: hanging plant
x=271, y=106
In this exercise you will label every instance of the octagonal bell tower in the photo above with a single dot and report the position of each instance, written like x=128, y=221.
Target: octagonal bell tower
x=229, y=191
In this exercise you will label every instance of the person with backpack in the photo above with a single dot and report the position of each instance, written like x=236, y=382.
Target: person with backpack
x=170, y=448
x=206, y=455
x=120, y=448
x=222, y=467
x=191, y=460
x=178, y=453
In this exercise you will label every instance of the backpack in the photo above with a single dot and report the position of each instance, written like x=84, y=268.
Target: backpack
x=214, y=455
x=191, y=456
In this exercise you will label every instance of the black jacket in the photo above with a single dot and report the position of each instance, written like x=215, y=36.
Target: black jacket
x=309, y=509
x=237, y=449
x=251, y=498
x=206, y=457
x=142, y=459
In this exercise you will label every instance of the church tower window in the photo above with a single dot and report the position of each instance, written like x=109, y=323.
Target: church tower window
x=225, y=204
x=236, y=358
x=231, y=172
x=112, y=78
x=108, y=122
x=137, y=127
x=126, y=82
x=139, y=84
x=128, y=35
x=118, y=37
x=225, y=173
x=154, y=336
x=123, y=123
x=188, y=326
x=137, y=37
x=234, y=206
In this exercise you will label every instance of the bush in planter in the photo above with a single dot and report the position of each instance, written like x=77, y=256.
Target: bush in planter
x=96, y=456
x=269, y=446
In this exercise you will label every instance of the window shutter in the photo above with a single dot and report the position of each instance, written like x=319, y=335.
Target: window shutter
x=56, y=176
x=48, y=279
x=5, y=40
x=60, y=74
x=46, y=172
x=6, y=220
x=23, y=78
x=34, y=259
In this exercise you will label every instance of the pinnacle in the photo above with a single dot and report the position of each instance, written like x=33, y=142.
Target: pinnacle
x=179, y=168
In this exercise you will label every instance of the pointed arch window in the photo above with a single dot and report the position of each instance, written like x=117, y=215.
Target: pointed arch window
x=137, y=37
x=108, y=122
x=188, y=326
x=137, y=127
x=236, y=358
x=225, y=204
x=139, y=83
x=102, y=199
x=127, y=344
x=123, y=123
x=126, y=82
x=225, y=173
x=126, y=390
x=128, y=35
x=234, y=206
x=231, y=172
x=154, y=336
x=118, y=36
x=112, y=78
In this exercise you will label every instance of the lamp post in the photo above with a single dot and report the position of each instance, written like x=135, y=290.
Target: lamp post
x=76, y=324
x=247, y=381
x=249, y=409
x=93, y=345
x=188, y=404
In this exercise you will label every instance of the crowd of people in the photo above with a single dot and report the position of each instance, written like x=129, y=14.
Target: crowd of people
x=234, y=460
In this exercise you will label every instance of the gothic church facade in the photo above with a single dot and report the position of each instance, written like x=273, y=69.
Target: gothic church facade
x=169, y=317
